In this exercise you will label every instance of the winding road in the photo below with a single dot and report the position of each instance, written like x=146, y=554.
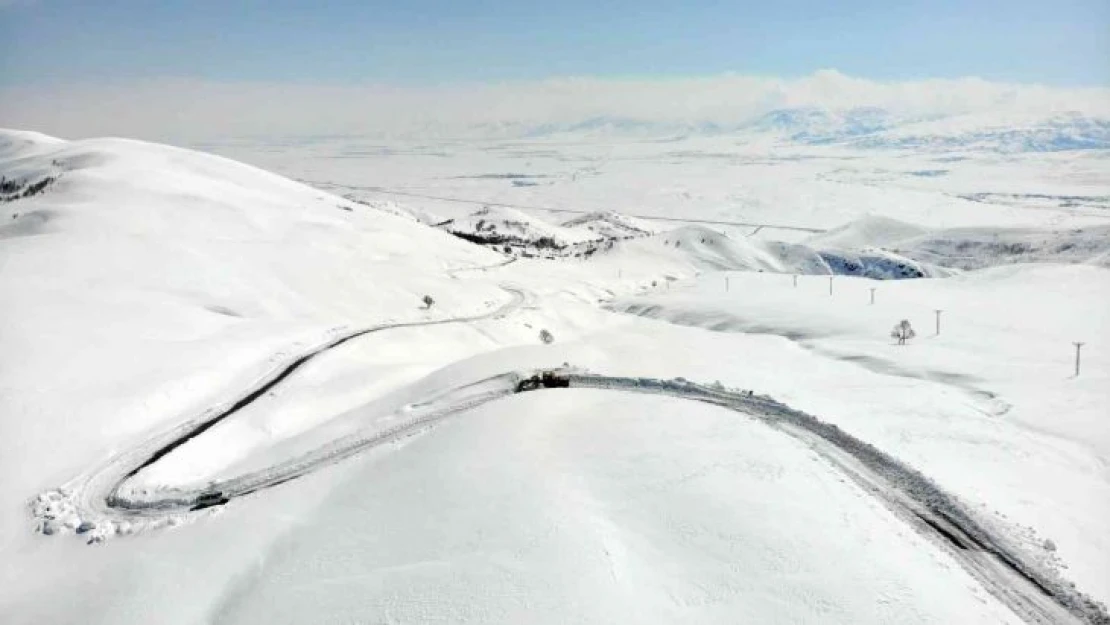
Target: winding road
x=104, y=500
x=93, y=496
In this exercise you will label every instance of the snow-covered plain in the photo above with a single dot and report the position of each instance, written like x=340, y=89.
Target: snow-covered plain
x=145, y=286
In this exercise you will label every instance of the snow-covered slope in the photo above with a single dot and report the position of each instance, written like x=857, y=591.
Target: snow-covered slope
x=814, y=125
x=147, y=279
x=700, y=248
x=697, y=248
x=15, y=143
x=990, y=405
x=499, y=227
x=611, y=225
x=997, y=133
x=964, y=248
x=521, y=234
x=870, y=231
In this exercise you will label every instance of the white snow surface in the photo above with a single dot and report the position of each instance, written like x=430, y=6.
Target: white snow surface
x=990, y=406
x=146, y=285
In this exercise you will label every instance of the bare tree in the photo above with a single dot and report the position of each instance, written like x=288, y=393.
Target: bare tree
x=903, y=332
x=546, y=337
x=428, y=301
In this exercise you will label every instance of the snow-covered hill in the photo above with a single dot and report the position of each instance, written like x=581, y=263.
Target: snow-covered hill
x=611, y=225
x=698, y=248
x=873, y=247
x=145, y=279
x=520, y=234
x=501, y=227
x=968, y=248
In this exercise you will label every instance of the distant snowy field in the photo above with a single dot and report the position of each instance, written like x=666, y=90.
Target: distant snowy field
x=747, y=179
x=146, y=287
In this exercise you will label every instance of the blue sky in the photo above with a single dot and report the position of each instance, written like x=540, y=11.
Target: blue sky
x=421, y=42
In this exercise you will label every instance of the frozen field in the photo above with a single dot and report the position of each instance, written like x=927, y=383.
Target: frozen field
x=713, y=178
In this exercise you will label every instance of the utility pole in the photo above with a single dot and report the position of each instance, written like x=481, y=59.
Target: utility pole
x=1077, y=347
x=726, y=284
x=795, y=281
x=938, y=320
x=830, y=285
x=872, y=295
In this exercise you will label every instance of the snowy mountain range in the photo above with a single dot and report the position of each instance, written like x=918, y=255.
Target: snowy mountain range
x=861, y=127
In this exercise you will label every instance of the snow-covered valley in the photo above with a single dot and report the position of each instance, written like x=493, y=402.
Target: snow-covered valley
x=234, y=396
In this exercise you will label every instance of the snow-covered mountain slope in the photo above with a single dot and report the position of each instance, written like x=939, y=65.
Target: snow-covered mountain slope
x=700, y=248
x=15, y=143
x=521, y=234
x=813, y=125
x=611, y=225
x=965, y=248
x=147, y=279
x=697, y=248
x=870, y=231
x=997, y=133
x=500, y=227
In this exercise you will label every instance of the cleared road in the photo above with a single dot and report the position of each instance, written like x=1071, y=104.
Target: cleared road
x=1032, y=591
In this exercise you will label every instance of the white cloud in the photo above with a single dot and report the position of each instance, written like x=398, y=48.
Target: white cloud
x=185, y=109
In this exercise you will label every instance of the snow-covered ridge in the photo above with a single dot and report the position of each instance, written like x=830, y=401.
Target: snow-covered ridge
x=970, y=248
x=684, y=249
x=611, y=224
x=497, y=224
x=878, y=248
x=699, y=248
x=521, y=234
x=873, y=247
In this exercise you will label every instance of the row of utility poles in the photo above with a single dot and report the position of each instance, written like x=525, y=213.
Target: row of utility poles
x=936, y=311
